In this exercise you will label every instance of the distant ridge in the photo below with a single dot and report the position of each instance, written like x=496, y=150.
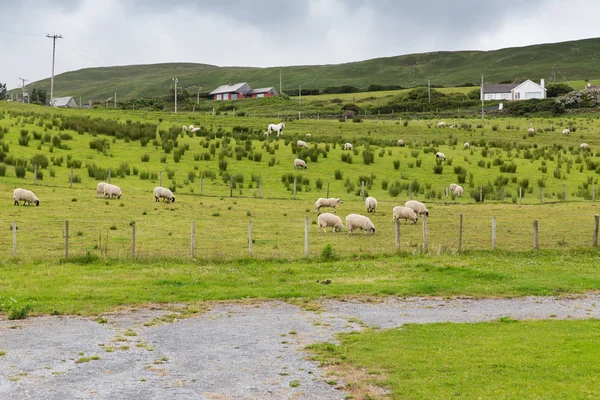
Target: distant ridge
x=576, y=60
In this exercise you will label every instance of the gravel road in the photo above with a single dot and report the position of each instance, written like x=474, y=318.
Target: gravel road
x=232, y=351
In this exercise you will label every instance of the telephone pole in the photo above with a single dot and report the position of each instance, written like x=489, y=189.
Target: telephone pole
x=23, y=80
x=175, y=80
x=481, y=97
x=53, y=37
x=280, y=87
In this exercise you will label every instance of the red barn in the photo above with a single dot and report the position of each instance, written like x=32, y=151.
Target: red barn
x=262, y=92
x=231, y=91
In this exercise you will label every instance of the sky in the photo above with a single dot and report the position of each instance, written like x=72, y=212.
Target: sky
x=266, y=33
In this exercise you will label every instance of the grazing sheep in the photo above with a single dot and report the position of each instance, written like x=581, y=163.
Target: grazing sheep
x=100, y=189
x=531, y=131
x=405, y=213
x=195, y=129
x=418, y=207
x=163, y=193
x=184, y=128
x=566, y=131
x=191, y=127
x=400, y=142
x=327, y=220
x=440, y=156
x=458, y=191
x=301, y=143
x=371, y=204
x=298, y=163
x=467, y=146
x=112, y=190
x=347, y=146
x=357, y=221
x=452, y=187
x=308, y=135
x=441, y=125
x=26, y=195
x=276, y=127
x=584, y=146
x=331, y=202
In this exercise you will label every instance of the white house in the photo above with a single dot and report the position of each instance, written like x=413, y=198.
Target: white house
x=514, y=91
x=64, y=102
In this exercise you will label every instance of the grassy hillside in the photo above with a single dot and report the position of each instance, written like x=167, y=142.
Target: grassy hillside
x=575, y=61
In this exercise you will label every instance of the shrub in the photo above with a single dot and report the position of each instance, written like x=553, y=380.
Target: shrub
x=223, y=165
x=438, y=169
x=145, y=158
x=396, y=164
x=40, y=160
x=368, y=157
x=2, y=169
x=338, y=174
x=319, y=183
x=20, y=171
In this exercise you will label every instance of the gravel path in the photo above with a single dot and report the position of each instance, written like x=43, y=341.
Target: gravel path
x=233, y=351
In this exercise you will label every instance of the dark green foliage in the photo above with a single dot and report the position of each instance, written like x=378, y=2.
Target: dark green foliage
x=40, y=160
x=20, y=171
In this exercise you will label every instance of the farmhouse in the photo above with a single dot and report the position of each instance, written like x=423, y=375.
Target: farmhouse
x=235, y=91
x=64, y=102
x=514, y=91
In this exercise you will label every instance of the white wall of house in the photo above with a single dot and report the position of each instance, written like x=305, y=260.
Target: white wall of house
x=529, y=90
x=497, y=96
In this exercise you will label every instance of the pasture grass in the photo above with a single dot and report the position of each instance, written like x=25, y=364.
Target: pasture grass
x=91, y=288
x=505, y=359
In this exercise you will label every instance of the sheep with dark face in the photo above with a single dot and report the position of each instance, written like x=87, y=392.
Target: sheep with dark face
x=111, y=191
x=163, y=193
x=299, y=163
x=418, y=207
x=27, y=196
x=405, y=213
x=440, y=156
x=327, y=220
x=357, y=221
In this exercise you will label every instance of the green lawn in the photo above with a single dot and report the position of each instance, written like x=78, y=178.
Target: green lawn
x=496, y=360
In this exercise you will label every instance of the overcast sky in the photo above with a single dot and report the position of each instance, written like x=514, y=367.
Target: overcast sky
x=265, y=33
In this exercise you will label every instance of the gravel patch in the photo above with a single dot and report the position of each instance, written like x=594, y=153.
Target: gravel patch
x=233, y=351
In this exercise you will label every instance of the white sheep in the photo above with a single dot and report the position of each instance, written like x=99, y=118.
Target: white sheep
x=163, y=193
x=331, y=203
x=418, y=207
x=191, y=127
x=566, y=131
x=400, y=142
x=327, y=220
x=584, y=146
x=452, y=187
x=441, y=125
x=531, y=131
x=458, y=191
x=26, y=195
x=357, y=221
x=405, y=213
x=112, y=190
x=467, y=146
x=100, y=189
x=184, y=128
x=440, y=156
x=299, y=163
x=308, y=135
x=195, y=129
x=302, y=143
x=347, y=146
x=267, y=133
x=371, y=204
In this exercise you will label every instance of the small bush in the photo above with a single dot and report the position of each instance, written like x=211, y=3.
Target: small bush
x=396, y=164
x=20, y=171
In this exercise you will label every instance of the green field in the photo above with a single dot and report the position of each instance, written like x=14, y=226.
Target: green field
x=575, y=60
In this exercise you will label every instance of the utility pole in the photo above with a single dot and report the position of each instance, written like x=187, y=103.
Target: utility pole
x=198, y=99
x=23, y=80
x=554, y=73
x=175, y=80
x=54, y=37
x=482, y=97
x=280, y=87
x=299, y=94
x=80, y=102
x=429, y=91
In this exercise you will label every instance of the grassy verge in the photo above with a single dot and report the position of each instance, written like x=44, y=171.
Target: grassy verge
x=497, y=360
x=93, y=286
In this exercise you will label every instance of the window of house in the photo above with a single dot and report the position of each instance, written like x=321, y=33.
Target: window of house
x=517, y=95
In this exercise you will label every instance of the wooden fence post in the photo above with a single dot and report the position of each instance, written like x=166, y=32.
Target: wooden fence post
x=133, y=239
x=160, y=178
x=230, y=185
x=410, y=190
x=480, y=193
x=66, y=239
x=260, y=188
x=460, y=231
x=502, y=194
x=564, y=192
x=593, y=192
x=362, y=189
x=250, y=238
x=596, y=223
x=294, y=188
x=35, y=174
x=521, y=194
x=193, y=240
x=494, y=233
x=425, y=244
x=536, y=244
x=71, y=178
x=14, y=229
x=541, y=196
x=446, y=194
x=109, y=175
x=327, y=191
x=306, y=237
x=397, y=231
x=201, y=182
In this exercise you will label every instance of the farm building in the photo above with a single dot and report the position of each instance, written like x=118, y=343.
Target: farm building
x=592, y=87
x=64, y=102
x=514, y=91
x=231, y=91
x=263, y=92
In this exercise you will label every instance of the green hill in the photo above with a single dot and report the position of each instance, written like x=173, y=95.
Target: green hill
x=575, y=60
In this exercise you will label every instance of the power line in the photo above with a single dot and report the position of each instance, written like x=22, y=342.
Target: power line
x=81, y=54
x=20, y=33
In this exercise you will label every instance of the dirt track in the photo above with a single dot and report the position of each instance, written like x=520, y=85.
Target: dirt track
x=233, y=351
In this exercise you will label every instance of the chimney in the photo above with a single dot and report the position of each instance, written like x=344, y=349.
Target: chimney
x=541, y=82
x=230, y=83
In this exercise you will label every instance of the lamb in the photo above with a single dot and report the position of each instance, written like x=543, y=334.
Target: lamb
x=418, y=207
x=191, y=127
x=458, y=191
x=441, y=125
x=184, y=128
x=347, y=146
x=298, y=163
x=100, y=189
x=308, y=135
x=357, y=221
x=371, y=204
x=584, y=146
x=405, y=213
x=566, y=131
x=330, y=220
x=467, y=146
x=452, y=187
x=301, y=143
x=26, y=195
x=112, y=190
x=440, y=156
x=531, y=131
x=331, y=202
x=163, y=193
x=400, y=142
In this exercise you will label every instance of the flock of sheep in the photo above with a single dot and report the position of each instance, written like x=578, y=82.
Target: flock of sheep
x=409, y=212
